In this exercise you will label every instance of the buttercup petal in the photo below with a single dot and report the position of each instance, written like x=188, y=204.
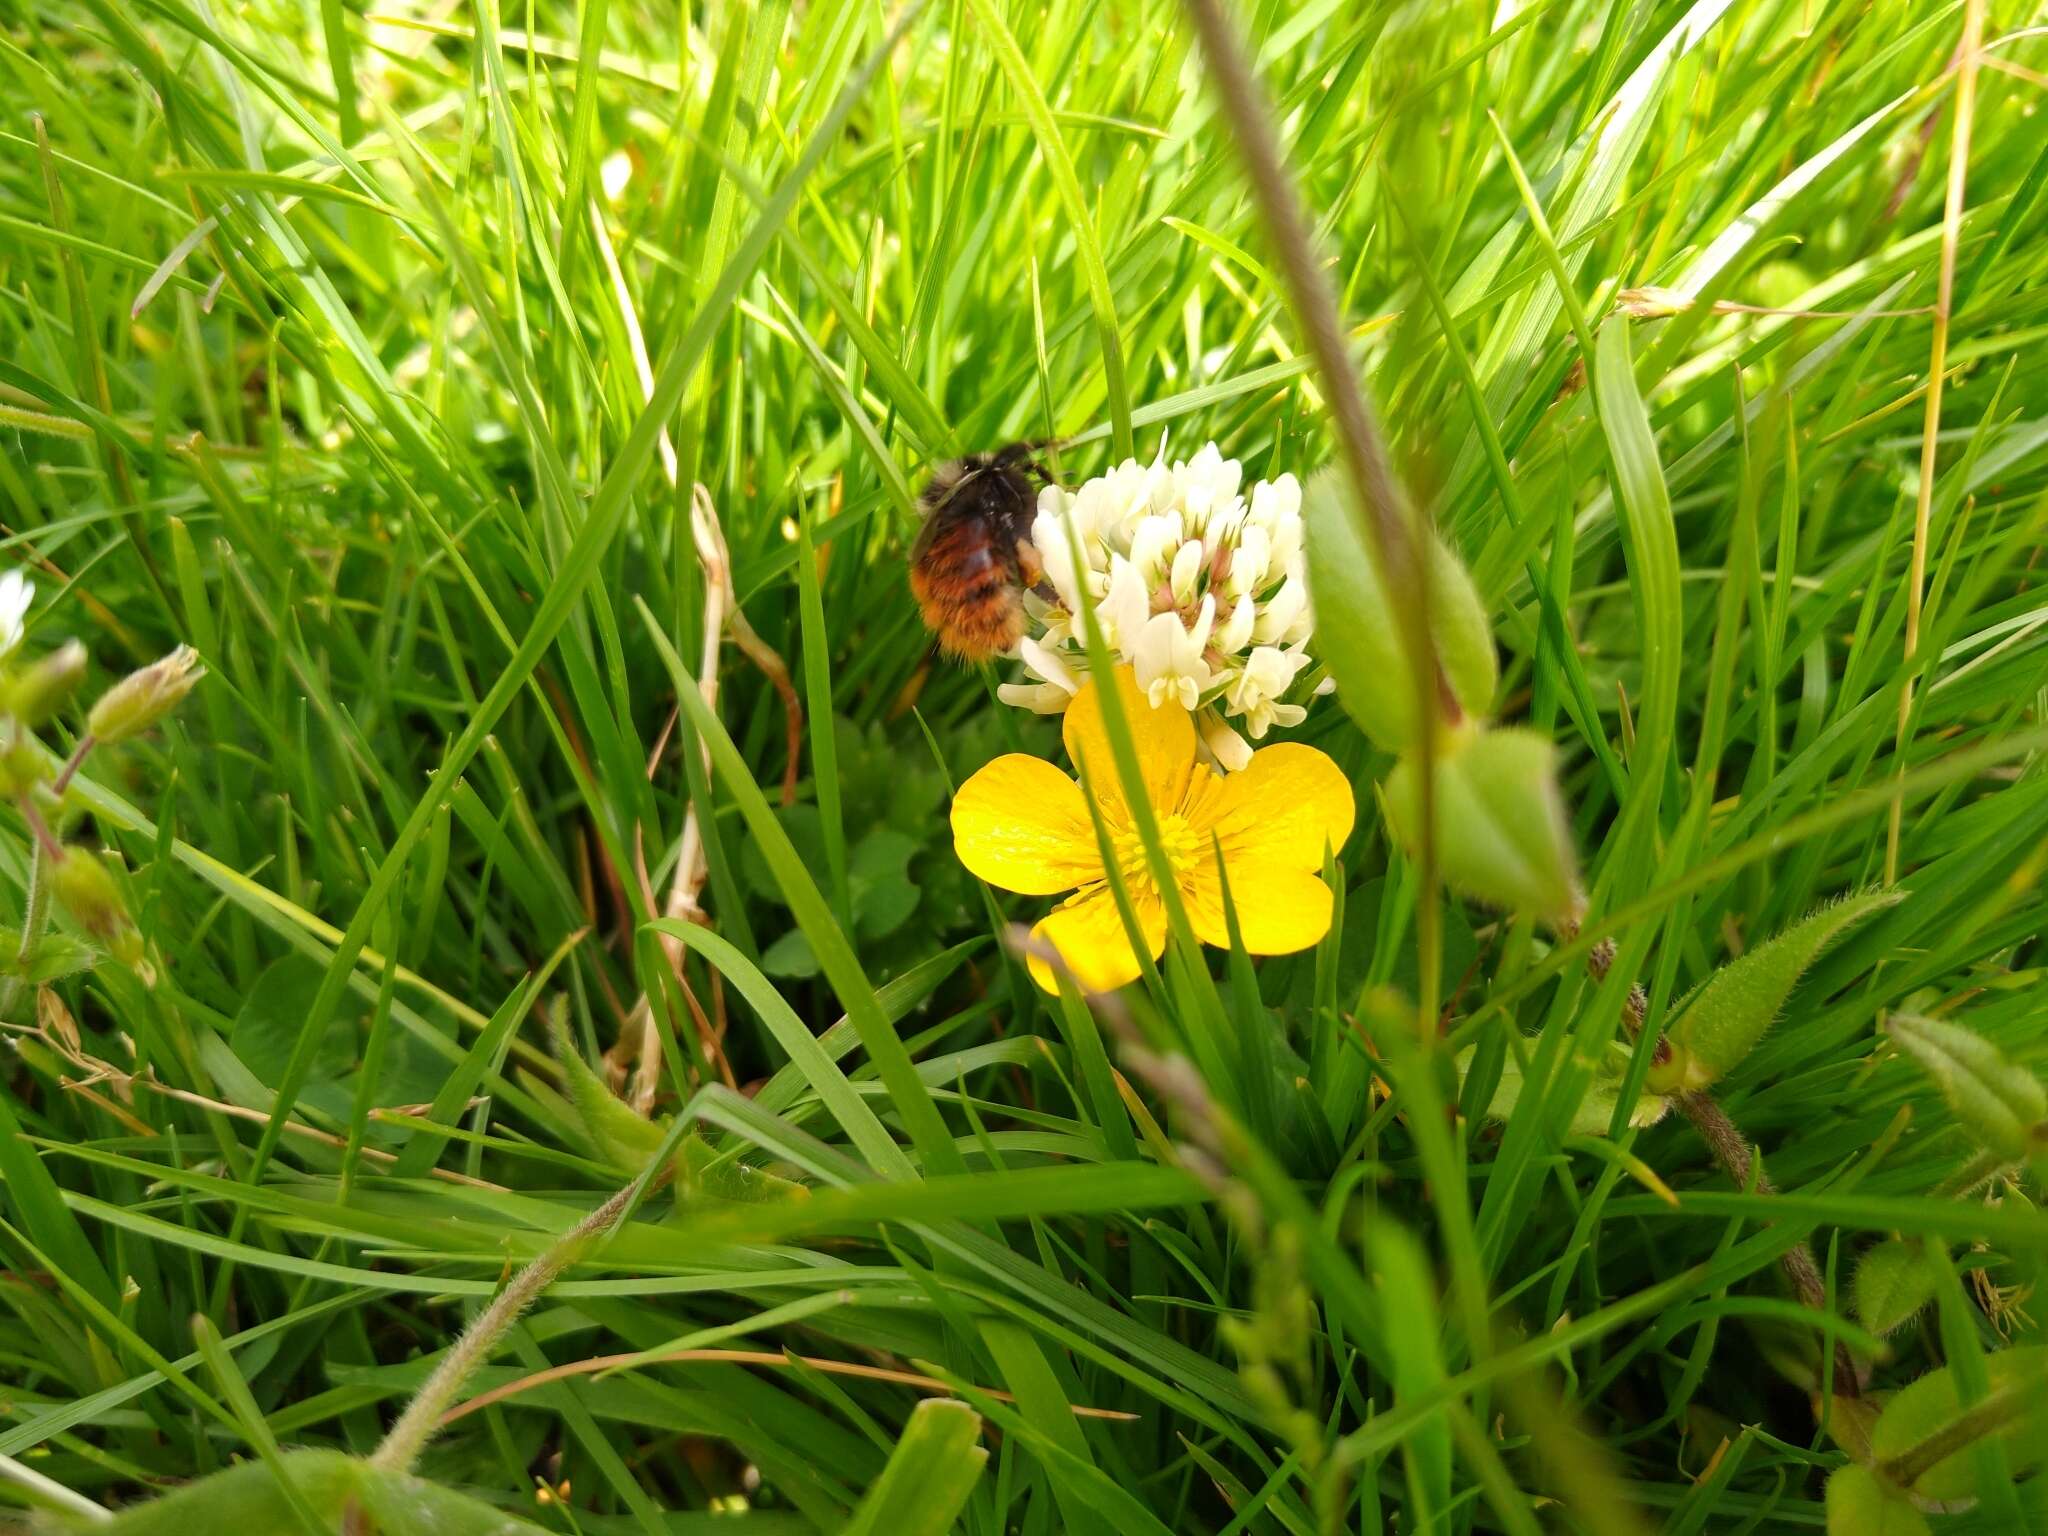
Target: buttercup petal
x=1088, y=932
x=1279, y=910
x=1021, y=824
x=1164, y=737
x=1280, y=810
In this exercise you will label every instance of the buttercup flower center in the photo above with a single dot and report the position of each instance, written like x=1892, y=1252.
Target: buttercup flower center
x=1178, y=840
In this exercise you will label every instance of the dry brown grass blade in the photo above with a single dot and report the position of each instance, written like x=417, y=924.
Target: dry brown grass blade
x=1969, y=57
x=598, y=1363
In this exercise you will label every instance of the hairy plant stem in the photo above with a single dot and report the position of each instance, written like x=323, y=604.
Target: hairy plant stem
x=34, y=918
x=1983, y=1166
x=401, y=1447
x=1984, y=1417
x=1731, y=1150
x=1387, y=521
x=73, y=763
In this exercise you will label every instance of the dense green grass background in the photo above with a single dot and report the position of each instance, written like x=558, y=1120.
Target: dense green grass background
x=326, y=341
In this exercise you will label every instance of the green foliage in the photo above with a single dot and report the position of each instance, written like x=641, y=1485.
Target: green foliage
x=374, y=353
x=933, y=1469
x=1360, y=638
x=332, y=1486
x=1859, y=1505
x=2016, y=1387
x=627, y=1140
x=1721, y=1023
x=2002, y=1106
x=1501, y=833
x=1893, y=1282
x=1595, y=1112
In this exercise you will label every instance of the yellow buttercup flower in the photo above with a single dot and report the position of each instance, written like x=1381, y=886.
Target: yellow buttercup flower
x=1023, y=825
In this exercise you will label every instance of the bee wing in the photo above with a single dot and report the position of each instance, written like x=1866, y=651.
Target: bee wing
x=936, y=516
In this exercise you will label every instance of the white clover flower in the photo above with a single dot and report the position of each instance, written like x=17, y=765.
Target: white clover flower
x=1152, y=545
x=1048, y=666
x=17, y=592
x=1126, y=606
x=1268, y=673
x=1039, y=698
x=1168, y=657
x=1230, y=750
x=1286, y=617
x=1198, y=586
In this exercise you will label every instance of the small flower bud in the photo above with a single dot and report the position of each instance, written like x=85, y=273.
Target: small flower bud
x=21, y=765
x=38, y=691
x=86, y=888
x=1998, y=1101
x=1362, y=640
x=1502, y=835
x=145, y=696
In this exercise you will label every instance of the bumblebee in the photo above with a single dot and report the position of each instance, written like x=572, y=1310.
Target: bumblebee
x=973, y=558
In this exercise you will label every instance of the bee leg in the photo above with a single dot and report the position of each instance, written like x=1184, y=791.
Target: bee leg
x=1030, y=569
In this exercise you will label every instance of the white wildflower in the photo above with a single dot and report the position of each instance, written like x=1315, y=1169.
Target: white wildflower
x=1250, y=561
x=1186, y=567
x=1153, y=544
x=1233, y=633
x=1048, y=666
x=1230, y=750
x=1168, y=657
x=1049, y=536
x=1198, y=586
x=1039, y=698
x=1285, y=617
x=1255, y=692
x=1126, y=606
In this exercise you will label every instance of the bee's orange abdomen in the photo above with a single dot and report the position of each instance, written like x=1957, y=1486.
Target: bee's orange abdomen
x=977, y=616
x=964, y=567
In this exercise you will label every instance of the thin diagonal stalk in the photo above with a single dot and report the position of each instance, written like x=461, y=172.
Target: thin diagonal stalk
x=1937, y=367
x=401, y=1447
x=1377, y=493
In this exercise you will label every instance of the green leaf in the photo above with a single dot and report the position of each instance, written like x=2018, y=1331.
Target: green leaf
x=994, y=32
x=1859, y=1505
x=629, y=1140
x=704, y=1173
x=2000, y=1104
x=882, y=894
x=267, y=1028
x=1596, y=1110
x=1930, y=1405
x=1402, y=1276
x=255, y=1428
x=56, y=955
x=625, y=1139
x=247, y=1499
x=933, y=1469
x=1730, y=1012
x=1893, y=1282
x=790, y=956
x=1502, y=837
x=1359, y=638
x=836, y=957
